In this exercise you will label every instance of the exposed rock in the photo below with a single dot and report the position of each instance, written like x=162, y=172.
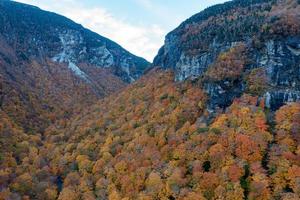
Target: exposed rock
x=275, y=99
x=196, y=44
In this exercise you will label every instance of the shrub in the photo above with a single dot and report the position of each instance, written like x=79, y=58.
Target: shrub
x=257, y=81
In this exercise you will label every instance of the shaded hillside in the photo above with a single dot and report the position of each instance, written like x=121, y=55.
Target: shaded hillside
x=50, y=66
x=39, y=34
x=35, y=94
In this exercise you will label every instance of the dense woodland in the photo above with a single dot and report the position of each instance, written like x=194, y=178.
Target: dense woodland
x=151, y=142
x=155, y=139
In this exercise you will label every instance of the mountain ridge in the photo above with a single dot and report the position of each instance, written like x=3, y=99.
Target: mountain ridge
x=72, y=32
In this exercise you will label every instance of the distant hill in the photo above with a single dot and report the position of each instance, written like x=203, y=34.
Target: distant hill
x=39, y=34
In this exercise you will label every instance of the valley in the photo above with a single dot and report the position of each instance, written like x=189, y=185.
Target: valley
x=216, y=116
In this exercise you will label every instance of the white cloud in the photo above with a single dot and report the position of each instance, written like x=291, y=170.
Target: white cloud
x=145, y=3
x=138, y=39
x=143, y=41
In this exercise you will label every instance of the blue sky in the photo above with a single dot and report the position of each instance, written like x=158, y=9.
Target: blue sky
x=138, y=25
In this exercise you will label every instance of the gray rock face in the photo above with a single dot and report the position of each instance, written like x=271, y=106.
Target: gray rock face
x=41, y=35
x=275, y=99
x=280, y=58
x=282, y=64
x=191, y=48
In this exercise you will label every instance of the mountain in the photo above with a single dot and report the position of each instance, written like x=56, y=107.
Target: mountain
x=50, y=66
x=42, y=34
x=230, y=131
x=239, y=46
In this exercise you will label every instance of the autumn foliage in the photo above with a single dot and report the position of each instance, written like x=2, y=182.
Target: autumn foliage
x=229, y=65
x=156, y=139
x=150, y=142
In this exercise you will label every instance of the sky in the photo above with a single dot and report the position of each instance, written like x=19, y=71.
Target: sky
x=139, y=26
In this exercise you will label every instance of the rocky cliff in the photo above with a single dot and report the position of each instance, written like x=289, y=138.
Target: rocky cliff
x=270, y=33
